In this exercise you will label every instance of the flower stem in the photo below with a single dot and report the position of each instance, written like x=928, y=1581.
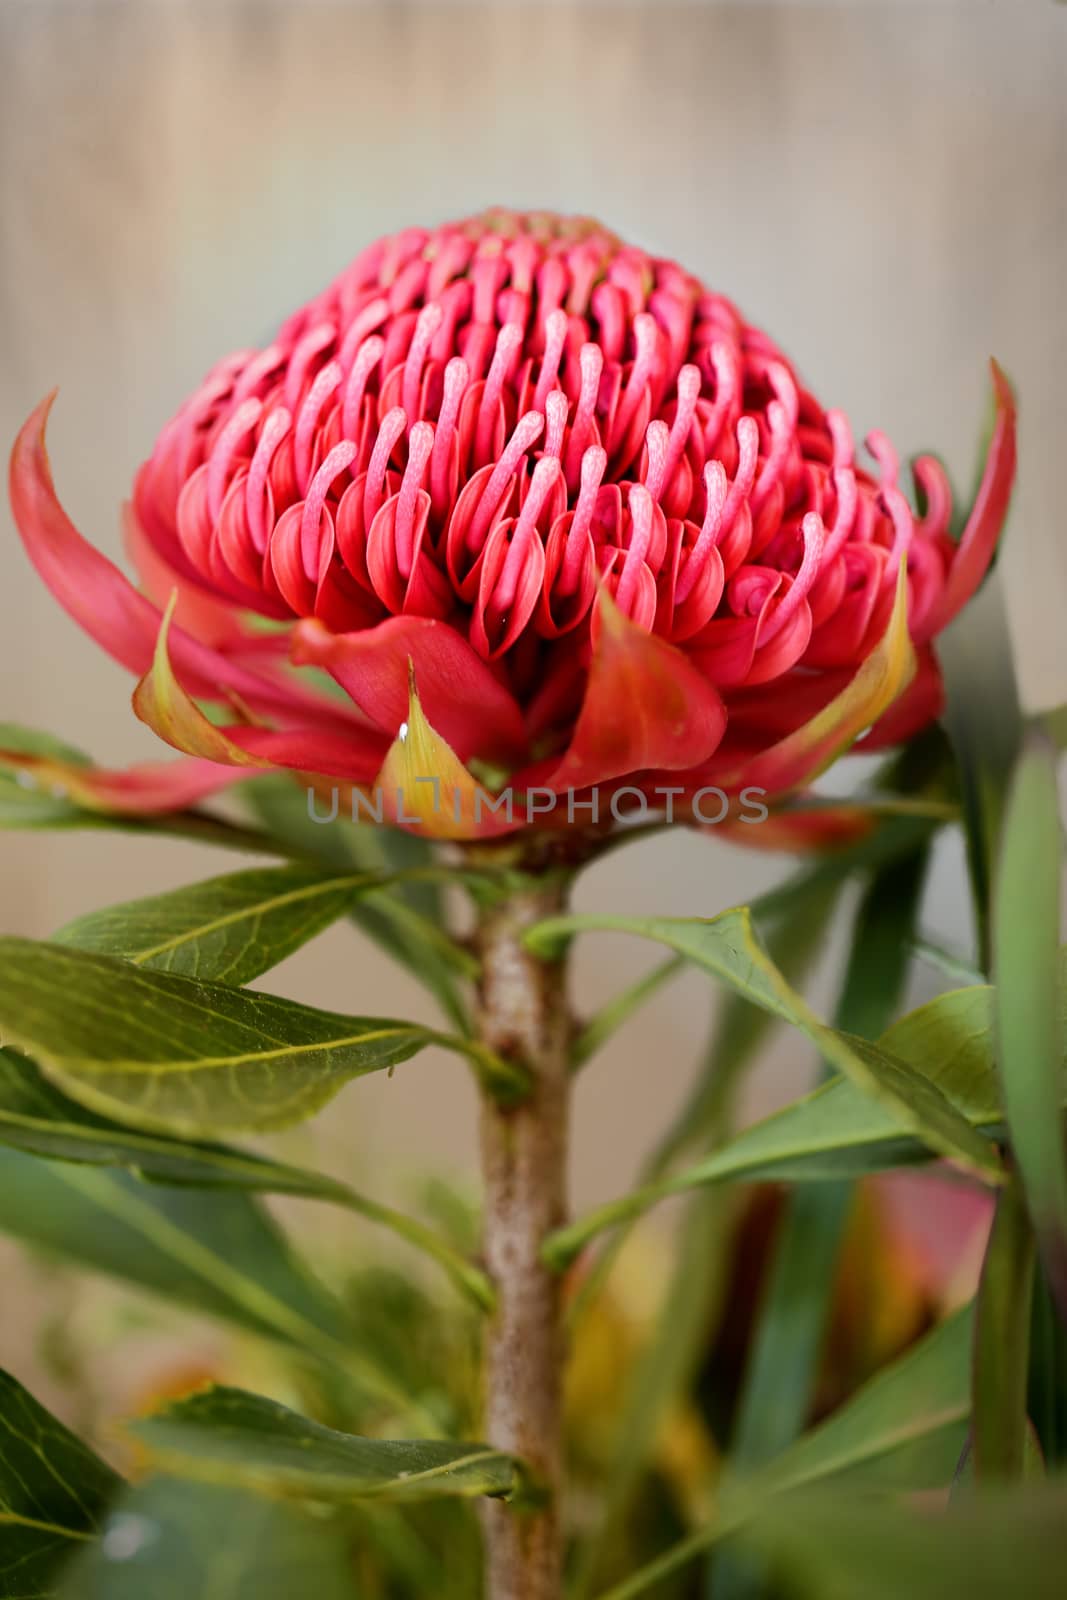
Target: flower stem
x=523, y=1018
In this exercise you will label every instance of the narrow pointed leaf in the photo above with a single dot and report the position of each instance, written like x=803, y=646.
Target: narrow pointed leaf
x=36, y=1118
x=230, y=1436
x=727, y=947
x=838, y=1130
x=985, y=722
x=165, y=705
x=1002, y=1342
x=161, y=702
x=903, y=1430
x=218, y=1253
x=173, y=1053
x=1047, y=1386
x=211, y=1252
x=227, y=930
x=170, y=1540
x=53, y=1494
x=1054, y=723
x=665, y=1370
x=1026, y=925
x=985, y=1546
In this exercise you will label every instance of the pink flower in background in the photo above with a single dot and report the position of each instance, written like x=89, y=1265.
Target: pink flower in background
x=555, y=482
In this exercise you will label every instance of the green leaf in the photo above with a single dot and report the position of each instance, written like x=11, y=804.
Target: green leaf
x=218, y=1253
x=947, y=962
x=36, y=1118
x=985, y=1546
x=173, y=1053
x=229, y=1436
x=168, y=1540
x=1026, y=925
x=902, y=1430
x=23, y=803
x=794, y=936
x=874, y=981
x=1047, y=1390
x=836, y=1130
x=985, y=724
x=1054, y=723
x=727, y=947
x=1002, y=1341
x=227, y=930
x=53, y=1493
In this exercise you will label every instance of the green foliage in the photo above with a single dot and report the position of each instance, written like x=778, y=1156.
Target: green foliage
x=53, y=1494
x=218, y=1253
x=35, y=1117
x=728, y=948
x=228, y=930
x=30, y=801
x=228, y=1436
x=172, y=1540
x=904, y=1429
x=837, y=1130
x=1026, y=927
x=1002, y=1343
x=833, y=1547
x=178, y=1054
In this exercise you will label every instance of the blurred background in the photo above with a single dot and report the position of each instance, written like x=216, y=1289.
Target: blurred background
x=880, y=184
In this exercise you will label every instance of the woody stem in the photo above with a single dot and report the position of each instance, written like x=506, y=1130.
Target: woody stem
x=523, y=1016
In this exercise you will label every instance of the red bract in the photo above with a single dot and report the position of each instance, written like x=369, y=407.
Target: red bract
x=561, y=487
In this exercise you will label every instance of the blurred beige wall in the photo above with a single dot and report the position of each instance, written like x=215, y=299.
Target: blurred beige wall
x=883, y=185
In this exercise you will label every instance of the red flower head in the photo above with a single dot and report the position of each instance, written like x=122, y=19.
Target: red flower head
x=560, y=488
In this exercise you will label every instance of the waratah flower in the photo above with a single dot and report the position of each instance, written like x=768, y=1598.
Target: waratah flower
x=542, y=505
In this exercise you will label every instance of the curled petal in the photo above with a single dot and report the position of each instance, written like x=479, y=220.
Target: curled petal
x=803, y=754
x=645, y=706
x=206, y=618
x=161, y=702
x=979, y=538
x=470, y=707
x=93, y=591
